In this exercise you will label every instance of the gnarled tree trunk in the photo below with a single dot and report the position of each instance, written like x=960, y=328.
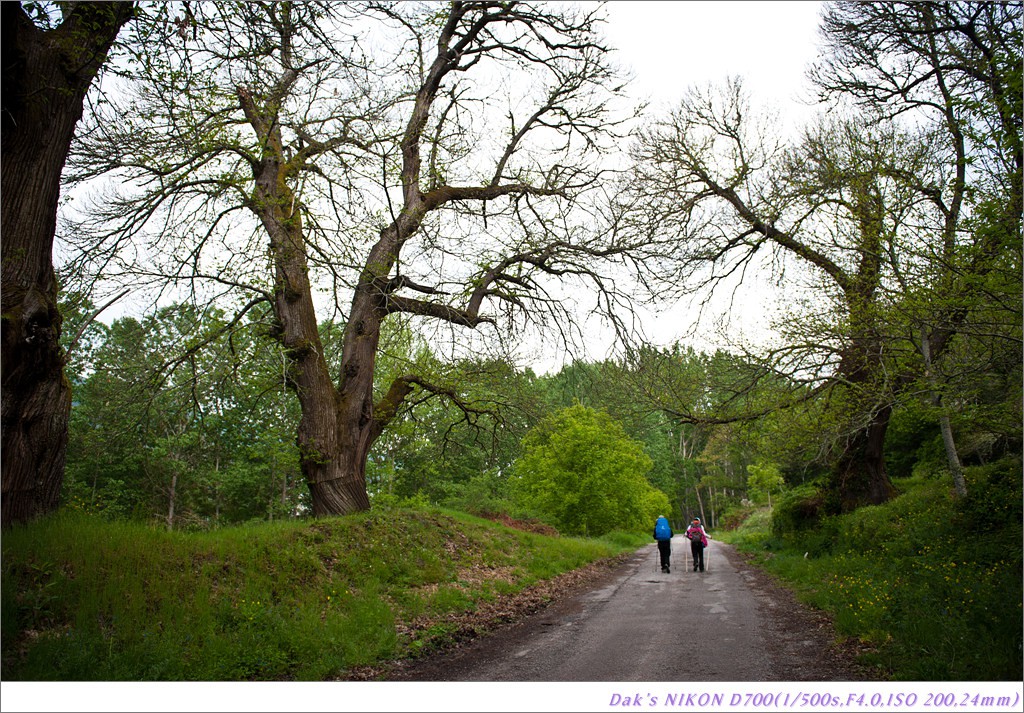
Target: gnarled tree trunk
x=859, y=475
x=46, y=75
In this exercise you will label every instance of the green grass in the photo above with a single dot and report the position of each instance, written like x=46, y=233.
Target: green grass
x=898, y=578
x=91, y=600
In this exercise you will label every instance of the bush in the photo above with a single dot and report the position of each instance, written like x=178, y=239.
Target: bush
x=916, y=596
x=993, y=496
x=799, y=510
x=912, y=439
x=735, y=516
x=483, y=493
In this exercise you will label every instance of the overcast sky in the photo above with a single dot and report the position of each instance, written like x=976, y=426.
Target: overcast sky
x=672, y=45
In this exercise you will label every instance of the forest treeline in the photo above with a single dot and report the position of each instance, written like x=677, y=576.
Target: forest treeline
x=324, y=204
x=207, y=440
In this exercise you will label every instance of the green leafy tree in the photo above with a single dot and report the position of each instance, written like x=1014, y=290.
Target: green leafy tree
x=196, y=441
x=960, y=293
x=621, y=389
x=582, y=472
x=898, y=212
x=763, y=479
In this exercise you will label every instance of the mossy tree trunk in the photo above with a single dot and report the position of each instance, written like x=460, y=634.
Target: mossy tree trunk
x=46, y=74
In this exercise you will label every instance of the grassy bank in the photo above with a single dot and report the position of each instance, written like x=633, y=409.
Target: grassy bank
x=90, y=600
x=928, y=584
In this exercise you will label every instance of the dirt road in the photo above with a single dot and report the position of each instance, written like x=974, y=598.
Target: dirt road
x=729, y=623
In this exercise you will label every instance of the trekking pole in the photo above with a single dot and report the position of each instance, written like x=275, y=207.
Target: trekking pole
x=707, y=559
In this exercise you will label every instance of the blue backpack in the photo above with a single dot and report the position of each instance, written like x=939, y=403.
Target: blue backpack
x=661, y=530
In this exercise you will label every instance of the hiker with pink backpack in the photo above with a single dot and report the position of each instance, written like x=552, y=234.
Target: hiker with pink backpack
x=698, y=538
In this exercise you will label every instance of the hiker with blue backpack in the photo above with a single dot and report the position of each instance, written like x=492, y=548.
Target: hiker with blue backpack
x=663, y=534
x=698, y=538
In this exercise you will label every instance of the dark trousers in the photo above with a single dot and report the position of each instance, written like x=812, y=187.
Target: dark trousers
x=665, y=550
x=697, y=548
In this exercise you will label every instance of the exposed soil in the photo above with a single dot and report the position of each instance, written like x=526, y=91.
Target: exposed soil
x=526, y=525
x=805, y=635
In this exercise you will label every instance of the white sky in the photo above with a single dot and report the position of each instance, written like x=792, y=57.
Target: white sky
x=674, y=44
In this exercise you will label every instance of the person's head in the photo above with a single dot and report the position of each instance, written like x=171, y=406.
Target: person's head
x=696, y=521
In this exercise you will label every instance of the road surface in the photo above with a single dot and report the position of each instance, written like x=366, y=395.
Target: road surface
x=729, y=623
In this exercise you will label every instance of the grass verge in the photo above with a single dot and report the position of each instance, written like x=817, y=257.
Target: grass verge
x=929, y=585
x=91, y=600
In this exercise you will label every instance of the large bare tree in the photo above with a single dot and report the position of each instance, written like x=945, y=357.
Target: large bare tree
x=824, y=212
x=957, y=67
x=893, y=216
x=49, y=64
x=403, y=161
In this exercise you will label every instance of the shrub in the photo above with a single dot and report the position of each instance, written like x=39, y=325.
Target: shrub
x=993, y=496
x=799, y=510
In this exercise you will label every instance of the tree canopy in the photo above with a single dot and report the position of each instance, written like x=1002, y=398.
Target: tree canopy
x=373, y=151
